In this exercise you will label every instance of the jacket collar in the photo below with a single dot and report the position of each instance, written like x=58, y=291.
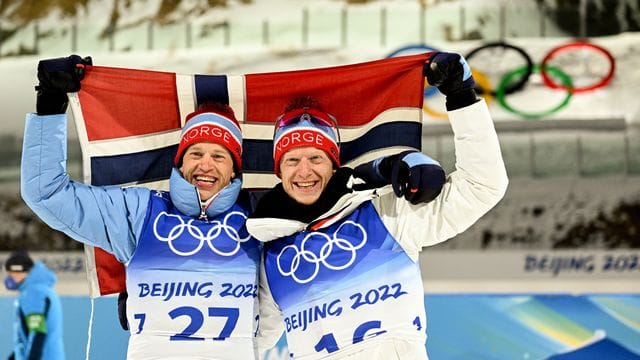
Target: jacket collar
x=278, y=215
x=186, y=198
x=277, y=204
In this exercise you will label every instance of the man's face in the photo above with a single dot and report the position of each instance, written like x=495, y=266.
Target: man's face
x=305, y=172
x=17, y=276
x=208, y=166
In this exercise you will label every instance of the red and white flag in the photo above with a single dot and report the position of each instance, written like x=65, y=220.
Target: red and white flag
x=129, y=123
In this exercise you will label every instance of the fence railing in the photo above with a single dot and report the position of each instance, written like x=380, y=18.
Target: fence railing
x=582, y=149
x=327, y=26
x=587, y=148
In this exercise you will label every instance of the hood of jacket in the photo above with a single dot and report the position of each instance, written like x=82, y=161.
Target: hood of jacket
x=39, y=275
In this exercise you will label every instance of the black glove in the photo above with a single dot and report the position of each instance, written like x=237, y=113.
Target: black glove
x=412, y=174
x=369, y=172
x=58, y=77
x=451, y=74
x=122, y=310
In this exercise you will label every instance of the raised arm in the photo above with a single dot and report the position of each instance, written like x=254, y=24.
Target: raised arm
x=480, y=179
x=107, y=217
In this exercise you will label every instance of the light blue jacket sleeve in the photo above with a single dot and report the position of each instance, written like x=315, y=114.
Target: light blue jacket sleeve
x=108, y=217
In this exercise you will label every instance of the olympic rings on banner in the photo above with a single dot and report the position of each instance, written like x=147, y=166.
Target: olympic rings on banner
x=492, y=58
x=504, y=84
x=583, y=48
x=440, y=115
x=412, y=50
x=493, y=63
x=481, y=80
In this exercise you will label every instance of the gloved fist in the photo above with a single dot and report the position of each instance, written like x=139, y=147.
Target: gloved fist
x=416, y=176
x=451, y=74
x=412, y=174
x=370, y=173
x=62, y=74
x=58, y=77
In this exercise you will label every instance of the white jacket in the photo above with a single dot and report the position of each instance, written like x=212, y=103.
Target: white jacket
x=478, y=183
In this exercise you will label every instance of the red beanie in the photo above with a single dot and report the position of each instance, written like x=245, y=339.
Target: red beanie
x=305, y=127
x=214, y=128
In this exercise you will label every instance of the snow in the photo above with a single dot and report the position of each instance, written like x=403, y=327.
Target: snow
x=548, y=194
x=618, y=100
x=286, y=49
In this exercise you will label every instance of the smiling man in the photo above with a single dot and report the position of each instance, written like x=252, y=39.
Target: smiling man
x=305, y=173
x=340, y=272
x=306, y=151
x=191, y=266
x=209, y=154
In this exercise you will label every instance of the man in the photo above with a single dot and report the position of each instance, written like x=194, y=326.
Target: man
x=340, y=266
x=191, y=266
x=38, y=321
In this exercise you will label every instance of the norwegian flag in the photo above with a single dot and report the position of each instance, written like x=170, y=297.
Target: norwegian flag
x=129, y=123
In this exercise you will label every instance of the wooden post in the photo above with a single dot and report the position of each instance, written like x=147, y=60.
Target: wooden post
x=150, y=35
x=422, y=28
x=265, y=32
x=305, y=27
x=383, y=26
x=74, y=38
x=188, y=34
x=343, y=27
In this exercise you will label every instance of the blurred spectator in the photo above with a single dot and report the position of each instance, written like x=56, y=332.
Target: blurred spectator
x=38, y=317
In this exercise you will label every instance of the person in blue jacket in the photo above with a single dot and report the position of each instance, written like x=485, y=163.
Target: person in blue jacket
x=340, y=272
x=38, y=317
x=191, y=266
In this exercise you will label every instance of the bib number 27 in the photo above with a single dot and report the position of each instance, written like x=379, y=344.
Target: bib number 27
x=196, y=320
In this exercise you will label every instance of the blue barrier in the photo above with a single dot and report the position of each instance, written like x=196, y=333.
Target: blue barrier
x=539, y=326
x=108, y=340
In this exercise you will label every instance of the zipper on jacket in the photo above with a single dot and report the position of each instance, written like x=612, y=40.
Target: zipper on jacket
x=203, y=208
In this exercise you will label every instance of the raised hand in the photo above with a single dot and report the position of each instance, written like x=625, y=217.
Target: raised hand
x=56, y=78
x=412, y=174
x=451, y=74
x=417, y=177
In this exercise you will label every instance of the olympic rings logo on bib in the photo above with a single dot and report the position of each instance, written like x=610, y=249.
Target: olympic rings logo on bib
x=335, y=253
x=208, y=233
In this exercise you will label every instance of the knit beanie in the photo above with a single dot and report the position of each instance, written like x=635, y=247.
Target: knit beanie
x=18, y=261
x=214, y=128
x=305, y=127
